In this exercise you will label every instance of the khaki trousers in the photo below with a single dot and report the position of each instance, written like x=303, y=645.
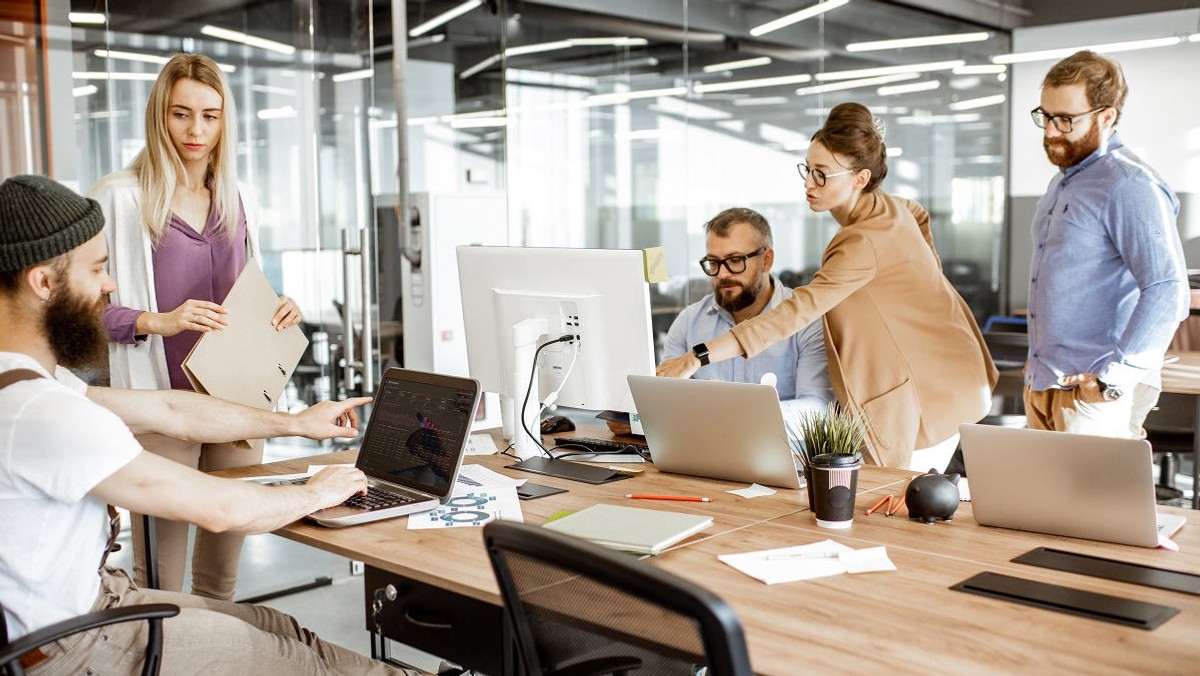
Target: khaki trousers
x=1060, y=411
x=207, y=637
x=215, y=558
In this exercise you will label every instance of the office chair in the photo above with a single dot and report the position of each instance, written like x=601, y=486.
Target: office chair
x=10, y=653
x=577, y=609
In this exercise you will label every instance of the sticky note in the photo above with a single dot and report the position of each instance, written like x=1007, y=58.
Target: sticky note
x=655, y=261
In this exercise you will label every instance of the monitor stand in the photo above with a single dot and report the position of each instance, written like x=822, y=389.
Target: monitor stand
x=565, y=469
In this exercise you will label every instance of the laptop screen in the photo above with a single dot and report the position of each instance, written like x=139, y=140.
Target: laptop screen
x=418, y=429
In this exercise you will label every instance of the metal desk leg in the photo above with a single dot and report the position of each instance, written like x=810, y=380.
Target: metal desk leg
x=150, y=544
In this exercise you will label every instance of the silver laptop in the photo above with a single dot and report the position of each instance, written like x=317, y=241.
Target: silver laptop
x=1078, y=485
x=715, y=429
x=413, y=447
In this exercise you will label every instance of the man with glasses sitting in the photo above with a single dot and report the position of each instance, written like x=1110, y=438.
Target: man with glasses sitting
x=1107, y=286
x=738, y=259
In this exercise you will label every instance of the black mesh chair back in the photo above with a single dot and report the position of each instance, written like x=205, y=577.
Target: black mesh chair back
x=10, y=653
x=578, y=609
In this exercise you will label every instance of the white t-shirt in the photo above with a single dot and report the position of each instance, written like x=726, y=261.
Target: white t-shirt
x=55, y=446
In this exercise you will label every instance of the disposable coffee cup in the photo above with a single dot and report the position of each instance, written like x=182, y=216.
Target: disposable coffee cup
x=834, y=481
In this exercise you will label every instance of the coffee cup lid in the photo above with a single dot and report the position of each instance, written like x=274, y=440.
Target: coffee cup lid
x=836, y=460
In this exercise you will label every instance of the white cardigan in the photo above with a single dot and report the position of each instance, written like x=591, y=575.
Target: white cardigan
x=143, y=365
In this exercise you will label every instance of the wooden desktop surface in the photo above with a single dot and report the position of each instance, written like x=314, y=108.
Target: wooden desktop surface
x=900, y=622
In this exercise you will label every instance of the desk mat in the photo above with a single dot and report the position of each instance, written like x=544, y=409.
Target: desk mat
x=564, y=469
x=1111, y=569
x=1114, y=609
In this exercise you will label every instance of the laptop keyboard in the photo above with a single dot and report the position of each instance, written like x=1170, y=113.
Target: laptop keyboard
x=376, y=499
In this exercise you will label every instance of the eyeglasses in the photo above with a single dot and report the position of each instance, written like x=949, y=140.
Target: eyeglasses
x=735, y=264
x=819, y=177
x=1063, y=123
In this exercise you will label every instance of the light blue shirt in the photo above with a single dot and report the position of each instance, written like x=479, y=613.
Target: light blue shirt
x=801, y=371
x=1108, y=286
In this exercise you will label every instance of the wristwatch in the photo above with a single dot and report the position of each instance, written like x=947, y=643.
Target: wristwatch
x=1109, y=392
x=701, y=352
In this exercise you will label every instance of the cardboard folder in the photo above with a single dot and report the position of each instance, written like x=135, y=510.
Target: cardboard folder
x=247, y=362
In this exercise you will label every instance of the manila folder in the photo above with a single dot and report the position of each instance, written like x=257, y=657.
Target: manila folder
x=247, y=362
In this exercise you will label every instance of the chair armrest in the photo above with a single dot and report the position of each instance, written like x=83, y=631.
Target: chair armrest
x=100, y=618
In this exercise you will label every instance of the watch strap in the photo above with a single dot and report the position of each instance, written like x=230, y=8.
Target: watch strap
x=701, y=352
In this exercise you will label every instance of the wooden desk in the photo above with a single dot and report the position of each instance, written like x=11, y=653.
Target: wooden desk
x=1182, y=376
x=900, y=622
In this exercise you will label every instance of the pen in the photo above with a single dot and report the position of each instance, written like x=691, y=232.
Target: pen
x=680, y=498
x=896, y=507
x=802, y=555
x=877, y=505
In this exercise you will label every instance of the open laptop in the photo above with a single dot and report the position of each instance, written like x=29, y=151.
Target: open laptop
x=1078, y=485
x=715, y=429
x=413, y=447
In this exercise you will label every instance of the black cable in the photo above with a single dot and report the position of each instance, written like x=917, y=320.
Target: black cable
x=529, y=389
x=624, y=450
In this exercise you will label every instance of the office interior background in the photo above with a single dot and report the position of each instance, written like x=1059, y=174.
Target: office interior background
x=624, y=124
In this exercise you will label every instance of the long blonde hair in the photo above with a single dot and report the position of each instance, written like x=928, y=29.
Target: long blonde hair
x=158, y=165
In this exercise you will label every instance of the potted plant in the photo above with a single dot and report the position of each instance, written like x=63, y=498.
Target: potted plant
x=832, y=441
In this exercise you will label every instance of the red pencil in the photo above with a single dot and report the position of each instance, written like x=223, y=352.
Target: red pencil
x=896, y=507
x=877, y=505
x=680, y=498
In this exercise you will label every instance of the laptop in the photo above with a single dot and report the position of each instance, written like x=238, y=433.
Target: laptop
x=1077, y=485
x=715, y=429
x=413, y=446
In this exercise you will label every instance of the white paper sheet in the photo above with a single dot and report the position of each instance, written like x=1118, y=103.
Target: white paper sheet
x=869, y=560
x=753, y=491
x=481, y=444
x=482, y=477
x=471, y=506
x=807, y=562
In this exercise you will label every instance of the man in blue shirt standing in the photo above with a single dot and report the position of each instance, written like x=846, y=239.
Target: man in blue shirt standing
x=738, y=259
x=1108, y=285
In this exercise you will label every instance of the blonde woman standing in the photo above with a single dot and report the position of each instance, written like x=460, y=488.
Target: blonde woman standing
x=903, y=348
x=179, y=233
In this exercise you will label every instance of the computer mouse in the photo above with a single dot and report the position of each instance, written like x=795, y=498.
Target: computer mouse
x=557, y=423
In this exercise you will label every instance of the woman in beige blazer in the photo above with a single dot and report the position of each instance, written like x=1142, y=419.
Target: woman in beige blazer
x=903, y=348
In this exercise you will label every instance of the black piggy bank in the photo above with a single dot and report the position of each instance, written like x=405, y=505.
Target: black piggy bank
x=932, y=496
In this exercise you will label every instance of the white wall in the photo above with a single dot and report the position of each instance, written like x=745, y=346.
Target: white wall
x=1160, y=121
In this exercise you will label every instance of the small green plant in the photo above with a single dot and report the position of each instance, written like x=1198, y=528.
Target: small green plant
x=834, y=430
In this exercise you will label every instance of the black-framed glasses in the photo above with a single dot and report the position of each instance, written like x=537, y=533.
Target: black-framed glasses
x=1063, y=123
x=819, y=177
x=735, y=264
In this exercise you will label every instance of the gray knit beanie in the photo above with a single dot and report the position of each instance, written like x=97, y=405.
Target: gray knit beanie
x=40, y=219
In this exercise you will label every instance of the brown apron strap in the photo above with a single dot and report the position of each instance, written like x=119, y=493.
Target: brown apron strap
x=17, y=375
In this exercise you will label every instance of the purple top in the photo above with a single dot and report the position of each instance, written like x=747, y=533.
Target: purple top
x=187, y=265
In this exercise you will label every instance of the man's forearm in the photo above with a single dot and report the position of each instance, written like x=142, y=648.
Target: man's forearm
x=190, y=416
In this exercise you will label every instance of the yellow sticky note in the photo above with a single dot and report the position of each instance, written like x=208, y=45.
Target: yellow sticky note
x=655, y=260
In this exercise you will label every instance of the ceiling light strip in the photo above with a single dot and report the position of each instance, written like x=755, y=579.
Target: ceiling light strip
x=444, y=18
x=927, y=41
x=246, y=39
x=890, y=70
x=982, y=102
x=757, y=83
x=736, y=65
x=855, y=84
x=911, y=88
x=797, y=17
x=1106, y=48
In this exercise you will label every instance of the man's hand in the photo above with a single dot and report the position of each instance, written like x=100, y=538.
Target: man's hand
x=682, y=366
x=192, y=315
x=287, y=315
x=330, y=419
x=335, y=484
x=1087, y=387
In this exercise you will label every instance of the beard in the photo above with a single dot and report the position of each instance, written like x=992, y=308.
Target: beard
x=75, y=329
x=744, y=299
x=1065, y=154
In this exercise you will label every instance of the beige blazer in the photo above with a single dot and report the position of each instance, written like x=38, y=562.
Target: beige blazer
x=903, y=348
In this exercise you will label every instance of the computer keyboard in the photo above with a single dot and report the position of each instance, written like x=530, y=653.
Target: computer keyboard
x=589, y=445
x=376, y=499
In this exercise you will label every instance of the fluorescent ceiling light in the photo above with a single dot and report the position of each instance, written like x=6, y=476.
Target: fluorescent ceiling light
x=246, y=39
x=1194, y=37
x=147, y=58
x=695, y=111
x=926, y=120
x=276, y=113
x=797, y=17
x=753, y=84
x=924, y=86
x=895, y=152
x=91, y=18
x=639, y=134
x=735, y=65
x=478, y=122
x=890, y=70
x=85, y=90
x=556, y=45
x=443, y=18
x=625, y=97
x=101, y=75
x=762, y=101
x=855, y=84
x=981, y=69
x=353, y=75
x=982, y=102
x=1107, y=48
x=927, y=41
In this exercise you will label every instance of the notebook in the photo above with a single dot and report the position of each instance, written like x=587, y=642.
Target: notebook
x=1083, y=486
x=715, y=429
x=413, y=446
x=247, y=362
x=630, y=529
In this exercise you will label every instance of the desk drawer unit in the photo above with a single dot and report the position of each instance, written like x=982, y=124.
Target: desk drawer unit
x=463, y=630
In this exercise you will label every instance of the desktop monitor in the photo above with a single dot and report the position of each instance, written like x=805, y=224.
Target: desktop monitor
x=517, y=298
